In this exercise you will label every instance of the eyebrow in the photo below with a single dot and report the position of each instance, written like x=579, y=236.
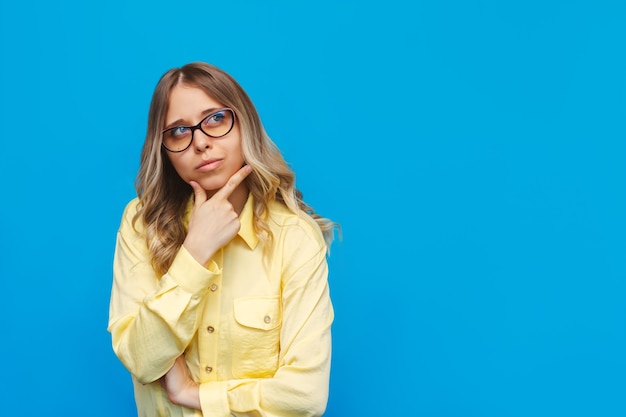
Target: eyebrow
x=181, y=122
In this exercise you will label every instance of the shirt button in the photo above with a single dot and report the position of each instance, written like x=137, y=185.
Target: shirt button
x=195, y=297
x=210, y=329
x=213, y=287
x=208, y=369
x=267, y=319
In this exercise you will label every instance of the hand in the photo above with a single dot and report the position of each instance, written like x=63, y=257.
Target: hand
x=180, y=388
x=214, y=221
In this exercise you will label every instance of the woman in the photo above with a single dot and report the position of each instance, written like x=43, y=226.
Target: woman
x=220, y=303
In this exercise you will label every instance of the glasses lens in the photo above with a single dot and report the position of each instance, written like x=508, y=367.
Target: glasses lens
x=177, y=138
x=218, y=124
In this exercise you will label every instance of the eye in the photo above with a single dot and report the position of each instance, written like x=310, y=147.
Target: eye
x=215, y=119
x=179, y=132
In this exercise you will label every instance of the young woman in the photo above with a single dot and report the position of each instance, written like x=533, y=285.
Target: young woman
x=220, y=303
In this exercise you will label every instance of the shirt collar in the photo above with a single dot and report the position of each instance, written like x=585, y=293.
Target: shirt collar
x=246, y=218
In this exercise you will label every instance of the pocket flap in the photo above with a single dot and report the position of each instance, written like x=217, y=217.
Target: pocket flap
x=258, y=312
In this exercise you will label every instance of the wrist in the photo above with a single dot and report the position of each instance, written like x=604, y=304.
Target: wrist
x=201, y=255
x=188, y=397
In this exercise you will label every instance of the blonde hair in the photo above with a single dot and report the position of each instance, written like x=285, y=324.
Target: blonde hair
x=164, y=195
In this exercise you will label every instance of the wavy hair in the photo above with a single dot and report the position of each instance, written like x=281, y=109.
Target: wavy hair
x=164, y=196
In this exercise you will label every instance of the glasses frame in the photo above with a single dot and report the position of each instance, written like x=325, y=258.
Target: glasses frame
x=199, y=126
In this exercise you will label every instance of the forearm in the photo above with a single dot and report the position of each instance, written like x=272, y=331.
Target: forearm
x=181, y=389
x=147, y=345
x=297, y=390
x=292, y=391
x=151, y=326
x=189, y=397
x=299, y=387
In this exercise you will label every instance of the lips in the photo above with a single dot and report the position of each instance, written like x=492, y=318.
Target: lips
x=210, y=164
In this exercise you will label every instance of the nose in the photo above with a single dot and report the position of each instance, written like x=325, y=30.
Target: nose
x=201, y=140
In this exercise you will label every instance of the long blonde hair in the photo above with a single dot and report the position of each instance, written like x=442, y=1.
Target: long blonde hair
x=164, y=195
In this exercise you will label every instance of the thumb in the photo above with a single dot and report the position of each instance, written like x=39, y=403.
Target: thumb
x=199, y=194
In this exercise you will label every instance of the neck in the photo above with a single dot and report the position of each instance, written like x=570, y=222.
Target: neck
x=239, y=197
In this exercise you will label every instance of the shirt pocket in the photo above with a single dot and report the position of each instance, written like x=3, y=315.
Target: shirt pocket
x=256, y=337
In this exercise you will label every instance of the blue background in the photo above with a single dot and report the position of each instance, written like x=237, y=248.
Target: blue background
x=474, y=153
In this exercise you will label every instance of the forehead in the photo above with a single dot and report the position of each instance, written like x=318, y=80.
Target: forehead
x=188, y=103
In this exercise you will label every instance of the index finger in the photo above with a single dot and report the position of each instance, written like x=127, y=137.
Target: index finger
x=199, y=194
x=233, y=182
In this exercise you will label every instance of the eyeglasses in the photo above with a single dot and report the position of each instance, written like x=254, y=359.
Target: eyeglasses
x=215, y=125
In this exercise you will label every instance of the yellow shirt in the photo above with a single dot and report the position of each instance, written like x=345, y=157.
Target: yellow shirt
x=256, y=332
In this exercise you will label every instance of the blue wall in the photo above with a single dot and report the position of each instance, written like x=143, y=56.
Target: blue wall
x=474, y=153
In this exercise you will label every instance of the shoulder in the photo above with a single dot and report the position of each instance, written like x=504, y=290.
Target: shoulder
x=297, y=241
x=298, y=228
x=129, y=214
x=132, y=207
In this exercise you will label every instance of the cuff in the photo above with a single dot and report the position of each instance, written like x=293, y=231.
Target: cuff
x=214, y=399
x=191, y=275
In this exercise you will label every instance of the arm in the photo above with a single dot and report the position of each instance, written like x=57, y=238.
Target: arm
x=152, y=320
x=180, y=388
x=300, y=385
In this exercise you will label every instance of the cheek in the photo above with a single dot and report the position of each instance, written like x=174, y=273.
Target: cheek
x=237, y=149
x=238, y=158
x=178, y=162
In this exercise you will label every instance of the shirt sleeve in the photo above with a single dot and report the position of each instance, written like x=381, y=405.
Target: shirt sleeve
x=300, y=385
x=152, y=319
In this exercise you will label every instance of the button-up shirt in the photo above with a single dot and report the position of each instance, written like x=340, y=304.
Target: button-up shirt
x=254, y=324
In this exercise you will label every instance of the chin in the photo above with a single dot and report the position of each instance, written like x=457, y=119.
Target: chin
x=212, y=185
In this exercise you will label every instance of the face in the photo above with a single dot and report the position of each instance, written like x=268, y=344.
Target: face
x=208, y=161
